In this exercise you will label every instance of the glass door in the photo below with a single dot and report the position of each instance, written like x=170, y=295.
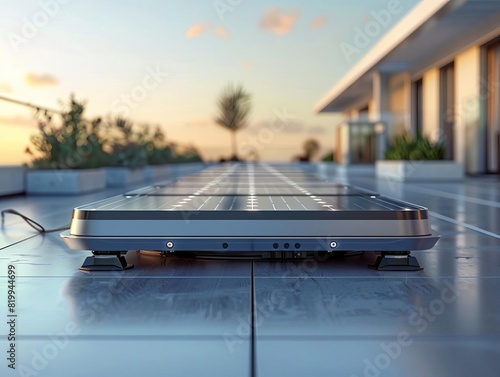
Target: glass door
x=363, y=143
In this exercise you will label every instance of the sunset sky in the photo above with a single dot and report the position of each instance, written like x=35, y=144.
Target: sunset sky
x=164, y=62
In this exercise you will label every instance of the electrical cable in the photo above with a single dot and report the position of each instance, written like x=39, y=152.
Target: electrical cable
x=32, y=223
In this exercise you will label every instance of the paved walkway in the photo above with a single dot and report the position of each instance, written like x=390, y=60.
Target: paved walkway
x=184, y=317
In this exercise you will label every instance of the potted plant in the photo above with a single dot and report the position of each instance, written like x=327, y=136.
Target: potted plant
x=127, y=155
x=66, y=158
x=417, y=159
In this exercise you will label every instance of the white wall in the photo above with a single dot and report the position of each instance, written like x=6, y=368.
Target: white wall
x=430, y=105
x=344, y=143
x=399, y=102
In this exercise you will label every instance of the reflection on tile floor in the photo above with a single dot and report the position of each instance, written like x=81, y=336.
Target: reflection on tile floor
x=120, y=305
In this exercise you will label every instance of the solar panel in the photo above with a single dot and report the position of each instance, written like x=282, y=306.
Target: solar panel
x=243, y=208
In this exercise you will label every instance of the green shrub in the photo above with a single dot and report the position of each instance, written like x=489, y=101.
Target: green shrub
x=124, y=145
x=74, y=144
x=78, y=143
x=159, y=152
x=405, y=147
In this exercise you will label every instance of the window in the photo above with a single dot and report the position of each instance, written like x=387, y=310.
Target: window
x=418, y=107
x=447, y=109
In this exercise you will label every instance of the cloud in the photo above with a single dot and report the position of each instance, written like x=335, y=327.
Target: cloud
x=316, y=130
x=318, y=22
x=221, y=32
x=203, y=28
x=277, y=21
x=196, y=30
x=5, y=88
x=33, y=79
x=247, y=65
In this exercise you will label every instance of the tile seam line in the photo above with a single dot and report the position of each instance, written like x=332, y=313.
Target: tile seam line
x=465, y=225
x=376, y=338
x=20, y=241
x=275, y=277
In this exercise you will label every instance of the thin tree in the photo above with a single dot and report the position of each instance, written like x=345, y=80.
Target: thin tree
x=234, y=107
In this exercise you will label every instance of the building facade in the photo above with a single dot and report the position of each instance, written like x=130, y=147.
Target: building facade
x=436, y=72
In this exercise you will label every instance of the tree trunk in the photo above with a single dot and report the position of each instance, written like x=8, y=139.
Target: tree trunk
x=235, y=149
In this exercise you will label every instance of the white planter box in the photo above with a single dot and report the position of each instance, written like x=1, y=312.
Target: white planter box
x=121, y=177
x=64, y=182
x=179, y=170
x=11, y=180
x=344, y=170
x=411, y=171
x=156, y=172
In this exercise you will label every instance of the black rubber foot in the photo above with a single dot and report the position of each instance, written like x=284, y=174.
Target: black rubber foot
x=107, y=262
x=402, y=261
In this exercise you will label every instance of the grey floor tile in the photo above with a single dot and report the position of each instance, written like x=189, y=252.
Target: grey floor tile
x=72, y=356
x=381, y=306
x=391, y=357
x=123, y=306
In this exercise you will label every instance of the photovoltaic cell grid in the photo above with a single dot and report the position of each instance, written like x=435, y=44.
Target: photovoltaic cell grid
x=249, y=202
x=250, y=187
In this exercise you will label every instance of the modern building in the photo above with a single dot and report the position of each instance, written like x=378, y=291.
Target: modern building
x=437, y=71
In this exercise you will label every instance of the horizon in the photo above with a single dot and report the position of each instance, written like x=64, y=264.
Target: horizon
x=169, y=67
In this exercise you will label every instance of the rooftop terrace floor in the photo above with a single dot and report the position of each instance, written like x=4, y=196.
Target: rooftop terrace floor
x=191, y=317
